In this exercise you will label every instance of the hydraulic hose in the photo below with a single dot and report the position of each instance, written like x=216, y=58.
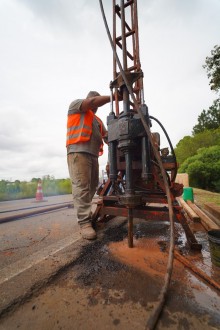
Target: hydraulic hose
x=152, y=321
x=169, y=141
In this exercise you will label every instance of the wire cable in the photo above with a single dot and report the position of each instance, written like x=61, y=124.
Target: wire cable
x=170, y=144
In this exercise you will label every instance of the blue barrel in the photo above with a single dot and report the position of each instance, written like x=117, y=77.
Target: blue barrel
x=214, y=244
x=188, y=194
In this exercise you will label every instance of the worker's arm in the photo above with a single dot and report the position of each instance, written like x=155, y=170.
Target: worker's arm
x=92, y=103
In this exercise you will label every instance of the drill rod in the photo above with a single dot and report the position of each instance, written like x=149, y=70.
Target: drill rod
x=130, y=227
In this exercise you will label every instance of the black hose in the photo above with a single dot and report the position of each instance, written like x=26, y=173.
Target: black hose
x=158, y=307
x=170, y=144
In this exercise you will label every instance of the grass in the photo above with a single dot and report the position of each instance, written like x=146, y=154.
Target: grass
x=204, y=196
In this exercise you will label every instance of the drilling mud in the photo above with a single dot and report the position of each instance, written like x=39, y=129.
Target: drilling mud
x=112, y=286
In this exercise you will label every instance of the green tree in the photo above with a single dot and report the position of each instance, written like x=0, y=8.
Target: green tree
x=212, y=66
x=28, y=190
x=208, y=119
x=204, y=168
x=64, y=186
x=3, y=190
x=49, y=186
x=189, y=145
x=35, y=179
x=3, y=184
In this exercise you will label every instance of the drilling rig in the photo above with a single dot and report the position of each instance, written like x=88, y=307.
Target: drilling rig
x=141, y=174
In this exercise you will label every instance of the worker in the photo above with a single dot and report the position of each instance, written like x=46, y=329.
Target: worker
x=85, y=134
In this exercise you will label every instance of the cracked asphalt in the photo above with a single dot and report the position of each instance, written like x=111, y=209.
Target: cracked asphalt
x=24, y=237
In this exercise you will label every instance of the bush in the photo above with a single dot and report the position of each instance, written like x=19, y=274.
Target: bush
x=189, y=145
x=204, y=169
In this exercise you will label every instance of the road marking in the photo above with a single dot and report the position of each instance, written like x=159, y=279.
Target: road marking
x=22, y=265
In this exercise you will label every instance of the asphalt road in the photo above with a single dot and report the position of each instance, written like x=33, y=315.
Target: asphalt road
x=23, y=237
x=52, y=279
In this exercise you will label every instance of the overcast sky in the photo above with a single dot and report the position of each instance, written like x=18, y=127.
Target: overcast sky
x=54, y=51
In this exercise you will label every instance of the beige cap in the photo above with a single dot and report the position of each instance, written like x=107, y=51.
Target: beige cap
x=92, y=94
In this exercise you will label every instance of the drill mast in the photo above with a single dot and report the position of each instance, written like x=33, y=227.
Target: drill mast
x=126, y=43
x=141, y=176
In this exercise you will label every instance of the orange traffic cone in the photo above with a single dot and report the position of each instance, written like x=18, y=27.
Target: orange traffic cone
x=39, y=193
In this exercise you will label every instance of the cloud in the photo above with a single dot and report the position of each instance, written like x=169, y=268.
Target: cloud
x=78, y=18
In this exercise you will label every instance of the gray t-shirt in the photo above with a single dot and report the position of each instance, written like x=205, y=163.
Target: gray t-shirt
x=93, y=145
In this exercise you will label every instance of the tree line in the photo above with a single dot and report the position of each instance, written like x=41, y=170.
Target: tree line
x=199, y=154
x=23, y=189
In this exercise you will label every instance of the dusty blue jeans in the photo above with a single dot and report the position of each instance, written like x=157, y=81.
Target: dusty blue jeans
x=84, y=174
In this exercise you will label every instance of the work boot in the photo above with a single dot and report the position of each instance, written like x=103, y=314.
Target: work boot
x=87, y=231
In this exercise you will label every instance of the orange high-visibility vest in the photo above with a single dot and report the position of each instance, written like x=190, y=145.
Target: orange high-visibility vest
x=79, y=128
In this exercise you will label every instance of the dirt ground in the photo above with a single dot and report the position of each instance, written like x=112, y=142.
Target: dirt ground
x=112, y=286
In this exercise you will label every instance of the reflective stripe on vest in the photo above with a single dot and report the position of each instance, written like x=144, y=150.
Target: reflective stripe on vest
x=79, y=127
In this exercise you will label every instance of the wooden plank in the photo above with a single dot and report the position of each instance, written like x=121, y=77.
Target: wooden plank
x=214, y=211
x=194, y=216
x=205, y=220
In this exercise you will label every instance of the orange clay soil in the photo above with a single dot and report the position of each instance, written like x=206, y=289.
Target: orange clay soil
x=148, y=255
